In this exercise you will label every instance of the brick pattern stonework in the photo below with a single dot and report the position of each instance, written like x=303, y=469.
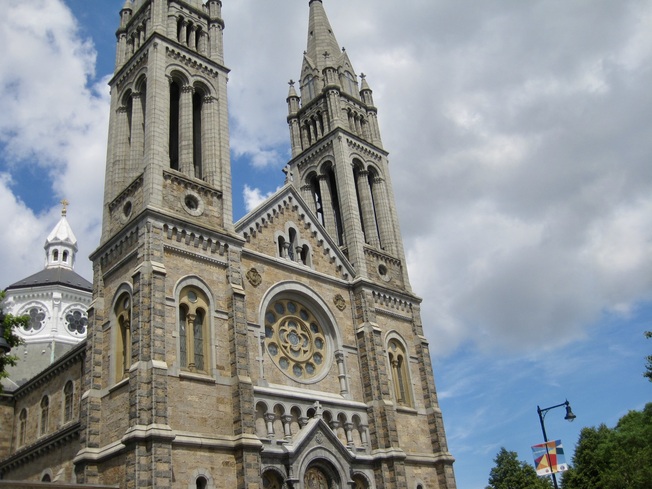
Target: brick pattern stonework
x=327, y=242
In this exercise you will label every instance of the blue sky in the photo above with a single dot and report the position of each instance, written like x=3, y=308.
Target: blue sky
x=519, y=140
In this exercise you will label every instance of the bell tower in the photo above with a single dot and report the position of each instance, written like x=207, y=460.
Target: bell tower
x=169, y=122
x=338, y=161
x=167, y=215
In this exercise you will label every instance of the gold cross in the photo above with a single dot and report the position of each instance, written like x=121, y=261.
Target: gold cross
x=64, y=210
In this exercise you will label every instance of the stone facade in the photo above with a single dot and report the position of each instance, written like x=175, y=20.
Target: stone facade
x=282, y=351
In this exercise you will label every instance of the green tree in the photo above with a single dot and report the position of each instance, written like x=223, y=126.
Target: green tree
x=648, y=367
x=510, y=473
x=8, y=323
x=615, y=458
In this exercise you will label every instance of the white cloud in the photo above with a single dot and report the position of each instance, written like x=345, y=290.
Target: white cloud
x=519, y=141
x=54, y=123
x=253, y=197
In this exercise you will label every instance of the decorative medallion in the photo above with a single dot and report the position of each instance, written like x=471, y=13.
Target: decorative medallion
x=319, y=438
x=254, y=277
x=295, y=340
x=339, y=302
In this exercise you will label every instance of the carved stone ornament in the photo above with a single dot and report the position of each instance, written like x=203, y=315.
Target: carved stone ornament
x=319, y=438
x=339, y=302
x=254, y=277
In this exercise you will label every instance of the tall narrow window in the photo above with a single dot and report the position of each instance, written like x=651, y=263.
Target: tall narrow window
x=22, y=427
x=336, y=207
x=45, y=415
x=68, y=391
x=193, y=330
x=202, y=482
x=400, y=376
x=197, y=107
x=175, y=100
x=122, y=337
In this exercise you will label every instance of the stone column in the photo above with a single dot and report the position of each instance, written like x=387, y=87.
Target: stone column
x=327, y=207
x=209, y=141
x=137, y=137
x=185, y=131
x=381, y=203
x=367, y=211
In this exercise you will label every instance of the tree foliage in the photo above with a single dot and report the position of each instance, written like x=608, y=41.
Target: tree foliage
x=510, y=473
x=614, y=458
x=9, y=322
x=648, y=367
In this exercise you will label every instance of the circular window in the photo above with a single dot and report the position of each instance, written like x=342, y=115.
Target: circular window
x=193, y=204
x=77, y=322
x=295, y=340
x=36, y=320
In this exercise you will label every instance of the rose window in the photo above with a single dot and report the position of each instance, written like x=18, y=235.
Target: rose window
x=295, y=340
x=77, y=322
x=36, y=320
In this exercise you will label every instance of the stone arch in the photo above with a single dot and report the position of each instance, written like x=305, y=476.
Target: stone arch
x=272, y=478
x=327, y=463
x=201, y=478
x=120, y=318
x=361, y=481
x=201, y=336
x=398, y=358
x=326, y=329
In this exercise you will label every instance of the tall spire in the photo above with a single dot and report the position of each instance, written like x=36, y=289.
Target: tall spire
x=323, y=48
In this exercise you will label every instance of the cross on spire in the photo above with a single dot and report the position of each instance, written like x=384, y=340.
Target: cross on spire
x=64, y=207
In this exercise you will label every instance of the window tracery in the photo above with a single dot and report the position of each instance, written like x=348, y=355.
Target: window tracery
x=77, y=322
x=193, y=330
x=399, y=368
x=36, y=321
x=123, y=337
x=295, y=340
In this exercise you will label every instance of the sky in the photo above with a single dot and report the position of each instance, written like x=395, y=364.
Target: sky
x=520, y=140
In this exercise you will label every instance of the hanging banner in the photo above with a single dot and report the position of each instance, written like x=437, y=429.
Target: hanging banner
x=549, y=458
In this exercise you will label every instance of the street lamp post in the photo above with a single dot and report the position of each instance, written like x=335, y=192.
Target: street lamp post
x=542, y=414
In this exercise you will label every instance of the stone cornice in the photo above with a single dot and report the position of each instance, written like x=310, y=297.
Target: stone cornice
x=75, y=355
x=43, y=446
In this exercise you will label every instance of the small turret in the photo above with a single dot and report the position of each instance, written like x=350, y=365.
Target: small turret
x=61, y=245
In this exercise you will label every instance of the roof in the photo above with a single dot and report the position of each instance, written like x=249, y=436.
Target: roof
x=54, y=276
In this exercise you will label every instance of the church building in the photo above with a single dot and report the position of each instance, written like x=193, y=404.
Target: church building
x=285, y=350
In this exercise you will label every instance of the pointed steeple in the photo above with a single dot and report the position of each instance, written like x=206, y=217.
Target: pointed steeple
x=61, y=244
x=323, y=48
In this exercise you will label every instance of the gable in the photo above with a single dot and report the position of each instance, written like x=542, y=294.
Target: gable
x=283, y=228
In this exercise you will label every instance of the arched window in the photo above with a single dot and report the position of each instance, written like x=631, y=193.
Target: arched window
x=55, y=255
x=197, y=108
x=360, y=482
x=122, y=337
x=175, y=101
x=271, y=480
x=68, y=392
x=193, y=330
x=46, y=478
x=22, y=427
x=398, y=362
x=202, y=482
x=45, y=415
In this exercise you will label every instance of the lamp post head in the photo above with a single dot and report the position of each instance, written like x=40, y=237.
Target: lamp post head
x=569, y=413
